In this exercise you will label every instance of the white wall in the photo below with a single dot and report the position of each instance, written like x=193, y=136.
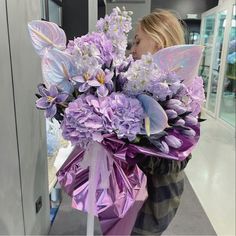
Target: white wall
x=139, y=10
x=92, y=14
x=11, y=216
x=23, y=158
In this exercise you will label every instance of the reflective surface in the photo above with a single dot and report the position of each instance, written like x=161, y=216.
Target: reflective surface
x=207, y=34
x=227, y=108
x=194, y=38
x=211, y=172
x=217, y=51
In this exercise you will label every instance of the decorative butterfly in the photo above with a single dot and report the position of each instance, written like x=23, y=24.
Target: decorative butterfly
x=184, y=60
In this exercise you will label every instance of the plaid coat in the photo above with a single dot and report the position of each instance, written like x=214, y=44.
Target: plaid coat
x=165, y=183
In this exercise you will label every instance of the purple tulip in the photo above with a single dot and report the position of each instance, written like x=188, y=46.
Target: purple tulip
x=189, y=132
x=173, y=142
x=172, y=102
x=191, y=120
x=171, y=114
x=49, y=100
x=176, y=105
x=179, y=109
x=180, y=122
x=164, y=147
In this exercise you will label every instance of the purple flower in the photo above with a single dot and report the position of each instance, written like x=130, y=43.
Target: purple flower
x=164, y=147
x=49, y=99
x=177, y=106
x=180, y=122
x=88, y=117
x=191, y=120
x=179, y=109
x=171, y=113
x=175, y=87
x=160, y=90
x=82, y=121
x=93, y=45
x=174, y=102
x=173, y=142
x=122, y=114
x=196, y=95
x=102, y=80
x=188, y=132
x=115, y=27
x=83, y=79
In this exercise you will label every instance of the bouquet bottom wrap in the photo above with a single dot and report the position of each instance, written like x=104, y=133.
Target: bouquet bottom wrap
x=120, y=188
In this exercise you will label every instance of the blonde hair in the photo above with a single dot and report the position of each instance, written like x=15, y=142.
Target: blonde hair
x=163, y=27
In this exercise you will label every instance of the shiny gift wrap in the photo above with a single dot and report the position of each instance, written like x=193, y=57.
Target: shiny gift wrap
x=118, y=203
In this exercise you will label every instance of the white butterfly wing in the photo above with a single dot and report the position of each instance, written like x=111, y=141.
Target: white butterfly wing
x=184, y=60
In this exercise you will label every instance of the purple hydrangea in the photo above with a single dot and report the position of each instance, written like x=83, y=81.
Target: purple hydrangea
x=82, y=121
x=92, y=45
x=88, y=117
x=122, y=115
x=95, y=45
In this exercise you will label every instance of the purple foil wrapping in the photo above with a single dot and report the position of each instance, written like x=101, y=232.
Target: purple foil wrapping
x=117, y=206
x=188, y=144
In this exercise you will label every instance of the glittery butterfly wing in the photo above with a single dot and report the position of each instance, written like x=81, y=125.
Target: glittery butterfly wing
x=184, y=60
x=58, y=67
x=156, y=119
x=46, y=35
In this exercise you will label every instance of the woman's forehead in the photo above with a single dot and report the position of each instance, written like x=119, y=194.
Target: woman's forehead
x=138, y=31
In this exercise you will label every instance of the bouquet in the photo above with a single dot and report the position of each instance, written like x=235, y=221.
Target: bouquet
x=107, y=105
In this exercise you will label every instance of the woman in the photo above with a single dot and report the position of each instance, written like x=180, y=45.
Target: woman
x=165, y=178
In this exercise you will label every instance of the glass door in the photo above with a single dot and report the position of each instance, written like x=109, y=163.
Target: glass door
x=215, y=66
x=207, y=36
x=227, y=107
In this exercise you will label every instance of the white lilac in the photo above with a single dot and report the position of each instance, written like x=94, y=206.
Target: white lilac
x=115, y=27
x=140, y=75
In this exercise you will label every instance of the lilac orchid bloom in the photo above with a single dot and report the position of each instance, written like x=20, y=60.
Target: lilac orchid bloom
x=50, y=97
x=84, y=78
x=103, y=81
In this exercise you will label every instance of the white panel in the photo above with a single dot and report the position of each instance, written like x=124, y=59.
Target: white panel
x=92, y=14
x=30, y=122
x=11, y=218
